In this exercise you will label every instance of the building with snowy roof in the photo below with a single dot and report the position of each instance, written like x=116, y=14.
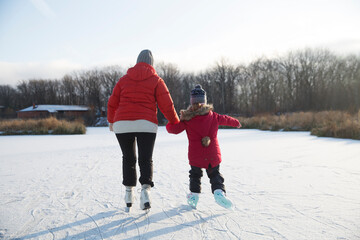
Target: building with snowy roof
x=58, y=111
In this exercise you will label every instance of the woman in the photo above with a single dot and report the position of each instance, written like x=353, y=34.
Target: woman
x=132, y=115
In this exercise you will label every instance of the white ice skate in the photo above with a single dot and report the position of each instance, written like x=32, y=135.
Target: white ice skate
x=129, y=196
x=221, y=199
x=145, y=202
x=192, y=199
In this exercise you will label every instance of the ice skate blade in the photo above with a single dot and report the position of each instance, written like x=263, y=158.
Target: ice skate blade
x=192, y=207
x=146, y=206
x=192, y=204
x=225, y=204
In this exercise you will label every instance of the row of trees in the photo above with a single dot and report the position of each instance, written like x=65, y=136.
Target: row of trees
x=90, y=88
x=308, y=80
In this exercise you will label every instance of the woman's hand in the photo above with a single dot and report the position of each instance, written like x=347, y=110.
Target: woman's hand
x=111, y=127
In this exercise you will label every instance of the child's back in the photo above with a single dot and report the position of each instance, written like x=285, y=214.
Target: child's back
x=201, y=126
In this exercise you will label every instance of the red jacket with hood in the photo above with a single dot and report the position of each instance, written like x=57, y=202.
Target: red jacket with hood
x=137, y=94
x=199, y=124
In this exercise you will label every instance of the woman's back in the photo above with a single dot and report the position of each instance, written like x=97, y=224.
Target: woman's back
x=137, y=94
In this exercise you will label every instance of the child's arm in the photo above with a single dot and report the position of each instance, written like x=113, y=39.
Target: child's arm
x=175, y=128
x=226, y=120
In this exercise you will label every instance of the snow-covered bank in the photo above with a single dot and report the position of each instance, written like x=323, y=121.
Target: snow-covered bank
x=285, y=185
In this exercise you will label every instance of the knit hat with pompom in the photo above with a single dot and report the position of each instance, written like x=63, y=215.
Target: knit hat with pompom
x=198, y=95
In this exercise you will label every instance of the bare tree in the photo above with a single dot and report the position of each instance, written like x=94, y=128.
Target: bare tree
x=7, y=99
x=68, y=91
x=173, y=79
x=109, y=76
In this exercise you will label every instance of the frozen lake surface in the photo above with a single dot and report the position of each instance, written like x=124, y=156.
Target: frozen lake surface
x=285, y=185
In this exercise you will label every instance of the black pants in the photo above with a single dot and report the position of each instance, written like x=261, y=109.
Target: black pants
x=216, y=179
x=145, y=144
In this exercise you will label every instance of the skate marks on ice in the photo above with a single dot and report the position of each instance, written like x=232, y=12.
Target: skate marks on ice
x=208, y=221
x=137, y=224
x=64, y=231
x=100, y=226
x=173, y=223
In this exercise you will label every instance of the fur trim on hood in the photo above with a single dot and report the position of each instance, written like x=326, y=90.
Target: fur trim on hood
x=189, y=113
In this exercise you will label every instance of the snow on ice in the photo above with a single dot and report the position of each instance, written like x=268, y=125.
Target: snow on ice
x=284, y=185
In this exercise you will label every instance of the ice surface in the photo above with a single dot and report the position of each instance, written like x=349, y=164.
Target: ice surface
x=284, y=185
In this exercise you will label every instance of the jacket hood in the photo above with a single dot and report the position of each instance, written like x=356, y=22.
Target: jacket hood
x=189, y=113
x=141, y=71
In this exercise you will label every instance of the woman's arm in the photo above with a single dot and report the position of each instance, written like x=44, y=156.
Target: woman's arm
x=113, y=103
x=165, y=102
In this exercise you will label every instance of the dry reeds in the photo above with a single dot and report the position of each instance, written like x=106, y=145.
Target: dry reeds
x=41, y=126
x=323, y=124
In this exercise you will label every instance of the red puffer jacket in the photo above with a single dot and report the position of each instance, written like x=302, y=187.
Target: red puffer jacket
x=136, y=94
x=203, y=122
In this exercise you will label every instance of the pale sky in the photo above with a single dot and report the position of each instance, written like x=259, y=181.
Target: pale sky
x=50, y=38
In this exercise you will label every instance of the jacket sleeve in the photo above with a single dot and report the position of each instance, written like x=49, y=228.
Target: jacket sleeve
x=165, y=102
x=175, y=128
x=113, y=103
x=226, y=120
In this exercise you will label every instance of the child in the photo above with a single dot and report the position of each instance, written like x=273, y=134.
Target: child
x=201, y=125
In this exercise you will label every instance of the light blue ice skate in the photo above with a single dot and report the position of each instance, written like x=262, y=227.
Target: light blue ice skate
x=192, y=199
x=221, y=199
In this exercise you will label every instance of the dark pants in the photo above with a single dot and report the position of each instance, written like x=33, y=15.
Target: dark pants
x=216, y=179
x=145, y=144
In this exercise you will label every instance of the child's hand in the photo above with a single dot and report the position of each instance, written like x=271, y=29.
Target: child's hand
x=111, y=127
x=239, y=126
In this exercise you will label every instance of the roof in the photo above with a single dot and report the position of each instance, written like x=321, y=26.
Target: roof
x=54, y=108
